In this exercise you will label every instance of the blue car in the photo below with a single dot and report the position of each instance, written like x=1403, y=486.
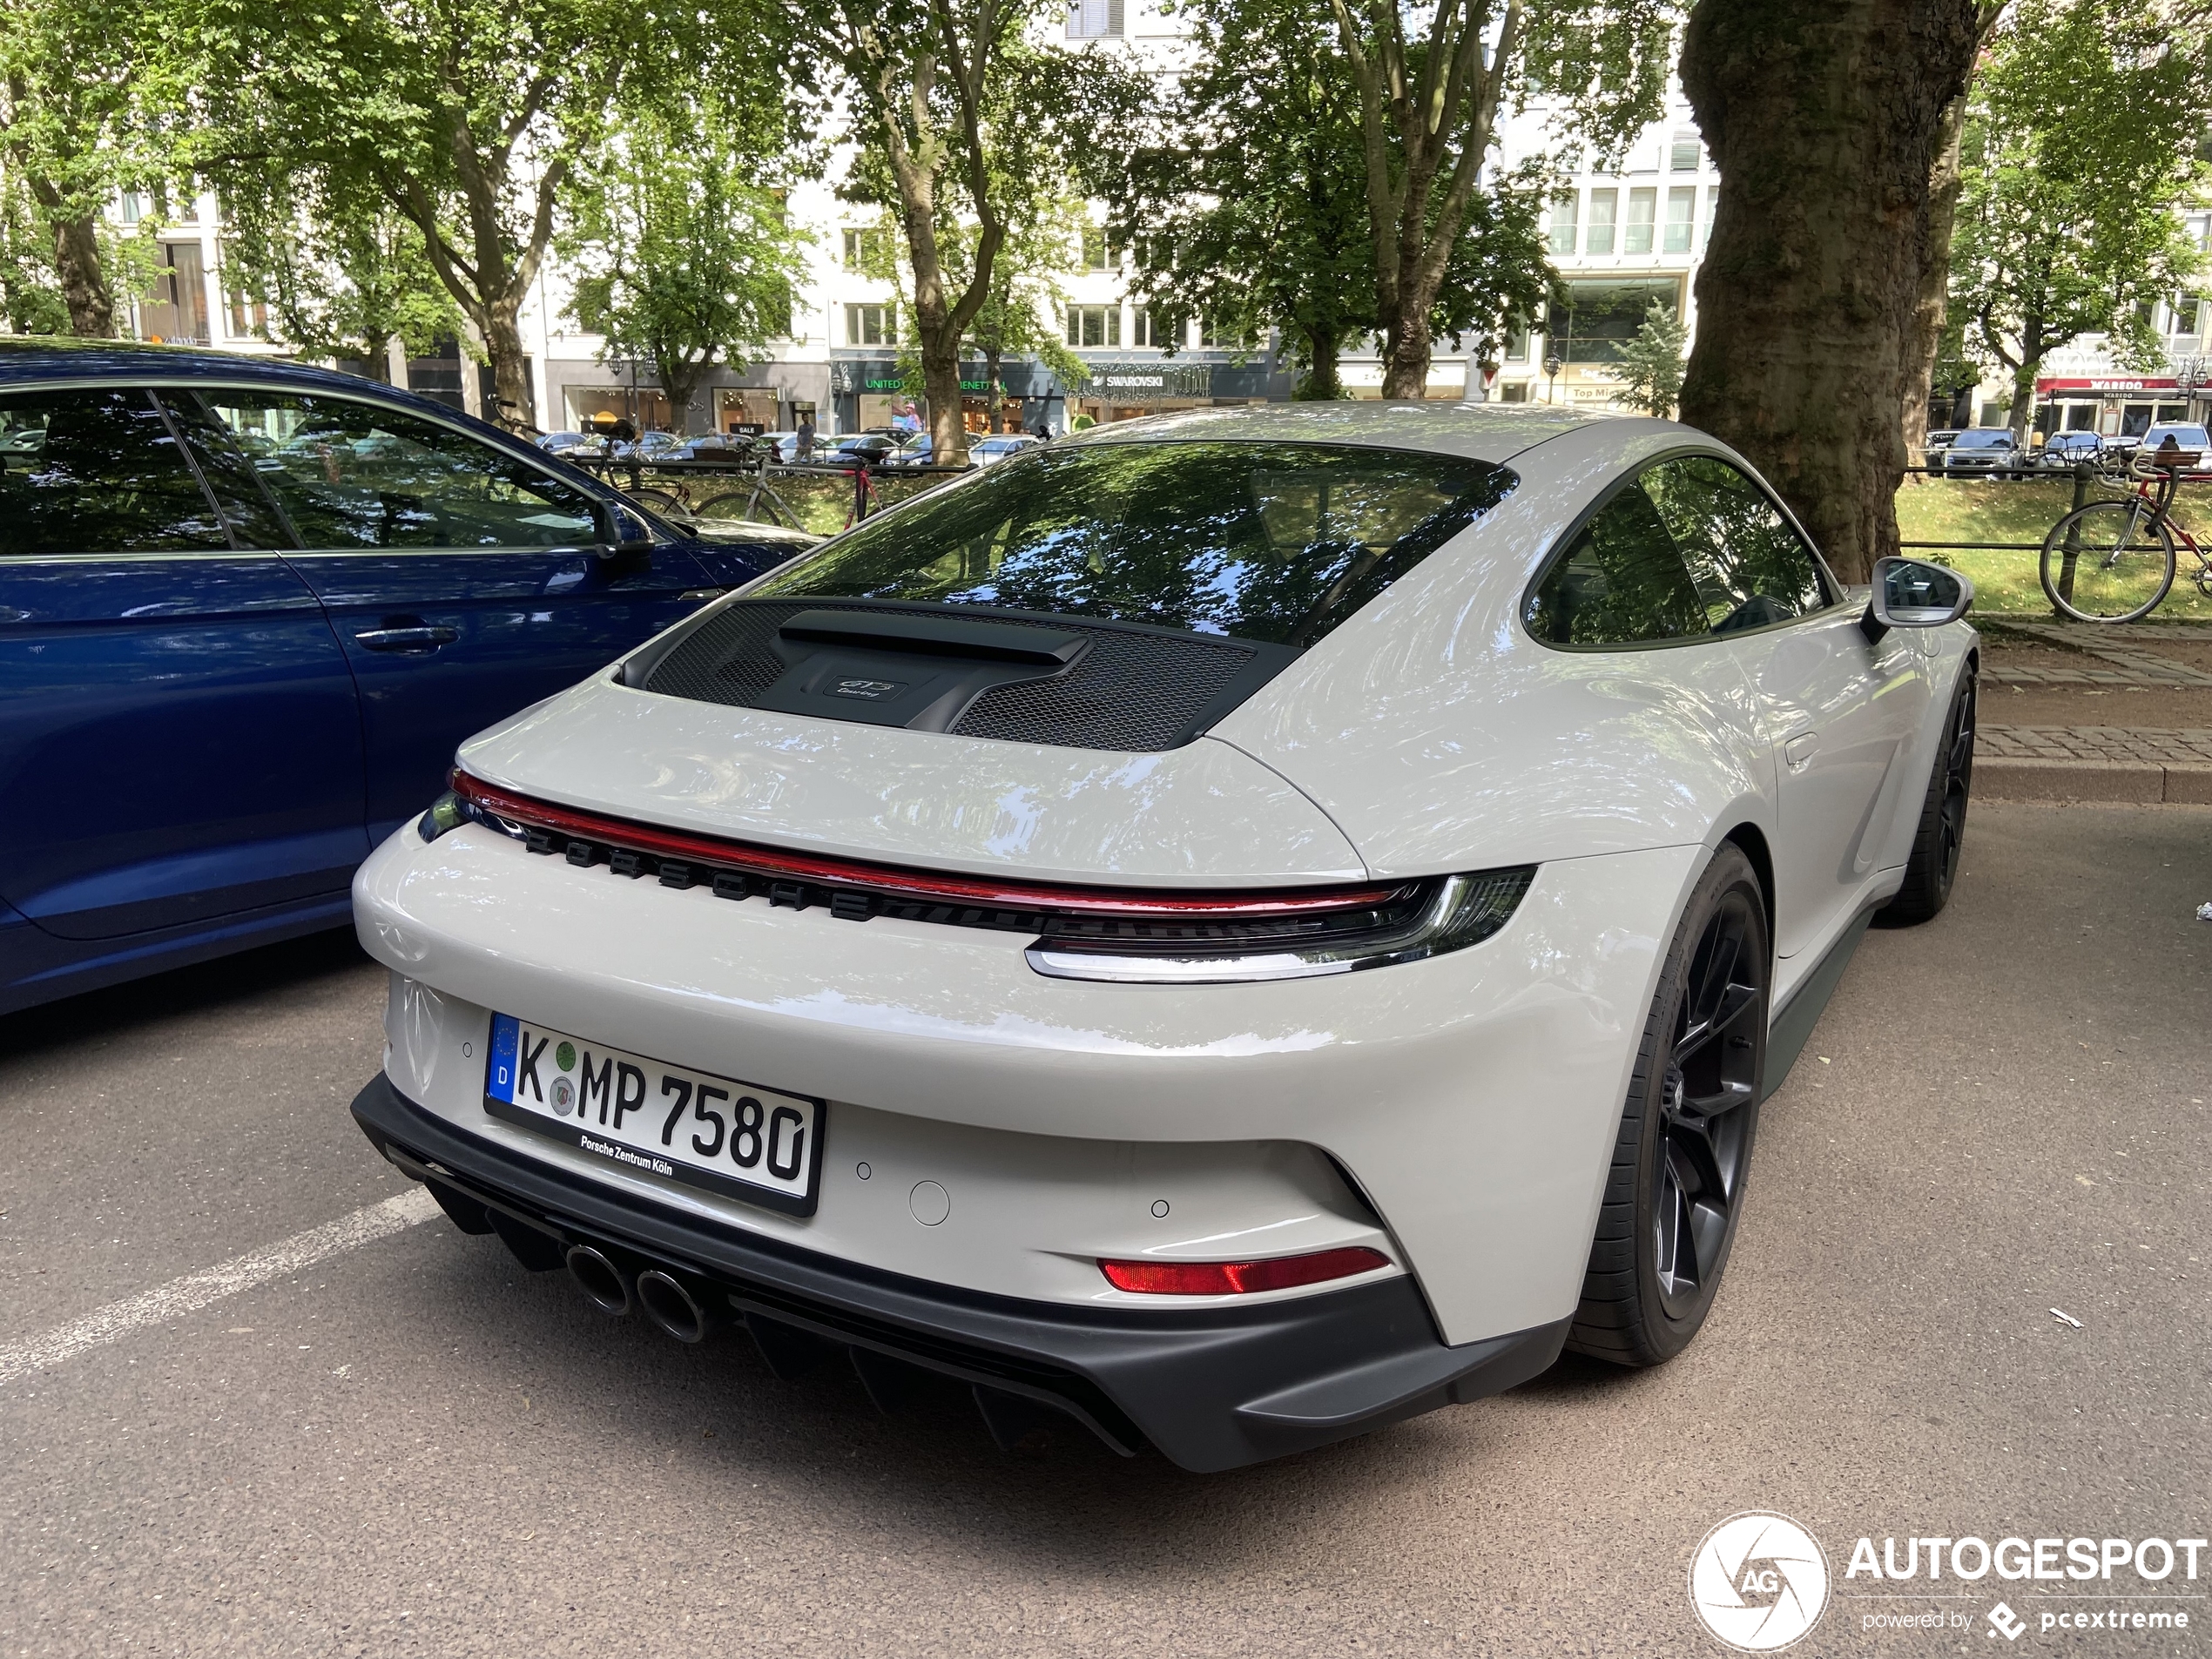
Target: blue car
x=247, y=610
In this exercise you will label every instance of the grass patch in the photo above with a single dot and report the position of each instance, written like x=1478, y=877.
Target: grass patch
x=1992, y=510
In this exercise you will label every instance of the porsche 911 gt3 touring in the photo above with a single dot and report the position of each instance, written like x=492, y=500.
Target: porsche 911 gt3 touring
x=1232, y=931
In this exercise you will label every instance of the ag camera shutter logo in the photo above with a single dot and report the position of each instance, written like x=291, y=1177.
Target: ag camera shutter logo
x=1759, y=1581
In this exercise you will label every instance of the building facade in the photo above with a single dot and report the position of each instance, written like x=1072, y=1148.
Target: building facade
x=1622, y=237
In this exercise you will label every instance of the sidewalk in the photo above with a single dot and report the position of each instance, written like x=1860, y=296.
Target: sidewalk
x=2094, y=763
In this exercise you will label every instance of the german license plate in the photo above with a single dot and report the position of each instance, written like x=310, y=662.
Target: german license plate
x=731, y=1137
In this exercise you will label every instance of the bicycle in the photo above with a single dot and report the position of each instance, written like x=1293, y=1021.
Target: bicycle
x=2113, y=560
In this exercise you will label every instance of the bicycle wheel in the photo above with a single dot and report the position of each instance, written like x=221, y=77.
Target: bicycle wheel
x=666, y=503
x=730, y=506
x=2109, y=562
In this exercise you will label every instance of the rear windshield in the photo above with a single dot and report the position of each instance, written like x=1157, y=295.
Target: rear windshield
x=1270, y=542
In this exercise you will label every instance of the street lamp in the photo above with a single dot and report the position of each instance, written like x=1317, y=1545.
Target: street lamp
x=1552, y=366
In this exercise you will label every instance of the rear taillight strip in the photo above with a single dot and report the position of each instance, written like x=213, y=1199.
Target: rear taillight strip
x=616, y=834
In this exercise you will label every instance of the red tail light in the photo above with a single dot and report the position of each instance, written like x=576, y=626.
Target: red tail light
x=1240, y=1278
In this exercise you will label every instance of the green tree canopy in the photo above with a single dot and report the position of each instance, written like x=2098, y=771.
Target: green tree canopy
x=682, y=257
x=1650, y=365
x=2080, y=148
x=469, y=119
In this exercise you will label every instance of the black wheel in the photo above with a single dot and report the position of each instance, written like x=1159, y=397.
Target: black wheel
x=1933, y=866
x=1676, y=1189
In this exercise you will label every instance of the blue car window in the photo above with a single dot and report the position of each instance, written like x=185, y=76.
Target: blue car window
x=97, y=471
x=229, y=477
x=353, y=475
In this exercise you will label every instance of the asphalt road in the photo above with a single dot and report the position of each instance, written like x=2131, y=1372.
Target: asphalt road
x=412, y=1446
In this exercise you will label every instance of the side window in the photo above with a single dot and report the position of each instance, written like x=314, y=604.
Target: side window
x=1750, y=566
x=228, y=474
x=97, y=471
x=1622, y=582
x=356, y=476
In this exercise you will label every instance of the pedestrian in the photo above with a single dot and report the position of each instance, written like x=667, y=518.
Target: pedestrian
x=806, y=435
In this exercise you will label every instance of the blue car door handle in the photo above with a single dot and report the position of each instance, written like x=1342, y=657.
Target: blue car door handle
x=419, y=636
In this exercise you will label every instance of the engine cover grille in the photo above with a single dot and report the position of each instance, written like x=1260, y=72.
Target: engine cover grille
x=1131, y=689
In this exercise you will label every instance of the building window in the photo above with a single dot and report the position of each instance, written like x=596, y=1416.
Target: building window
x=133, y=209
x=1605, y=206
x=1097, y=256
x=249, y=317
x=1644, y=208
x=1682, y=153
x=1094, y=325
x=1094, y=19
x=2186, y=316
x=1513, y=392
x=1517, y=341
x=1147, y=327
x=871, y=324
x=1712, y=204
x=2199, y=227
x=1603, y=313
x=1682, y=215
x=1562, y=236
x=862, y=247
x=1221, y=337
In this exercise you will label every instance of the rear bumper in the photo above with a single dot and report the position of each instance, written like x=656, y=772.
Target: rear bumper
x=1212, y=1387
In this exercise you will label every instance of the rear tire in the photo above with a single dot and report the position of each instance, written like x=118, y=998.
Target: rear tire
x=1941, y=835
x=1675, y=1188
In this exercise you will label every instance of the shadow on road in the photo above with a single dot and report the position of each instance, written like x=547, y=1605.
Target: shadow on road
x=204, y=987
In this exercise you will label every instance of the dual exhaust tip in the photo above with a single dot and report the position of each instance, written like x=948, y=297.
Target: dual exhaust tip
x=663, y=1298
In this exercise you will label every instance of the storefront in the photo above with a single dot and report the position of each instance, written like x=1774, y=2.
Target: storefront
x=1125, y=388
x=768, y=397
x=867, y=393
x=2117, y=406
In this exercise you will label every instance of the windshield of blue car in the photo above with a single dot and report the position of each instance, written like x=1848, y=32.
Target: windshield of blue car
x=2186, y=437
x=1277, y=543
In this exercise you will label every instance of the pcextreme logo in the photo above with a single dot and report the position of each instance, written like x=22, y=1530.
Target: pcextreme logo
x=1759, y=1581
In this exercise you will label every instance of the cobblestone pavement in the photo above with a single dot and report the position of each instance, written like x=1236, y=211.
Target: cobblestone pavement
x=2187, y=748
x=2094, y=763
x=2110, y=658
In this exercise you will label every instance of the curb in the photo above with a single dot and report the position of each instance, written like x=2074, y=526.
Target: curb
x=1999, y=777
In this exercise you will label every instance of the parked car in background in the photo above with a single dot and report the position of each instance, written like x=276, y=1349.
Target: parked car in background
x=247, y=610
x=570, y=443
x=914, y=452
x=713, y=446
x=2063, y=451
x=1938, y=441
x=875, y=448
x=1990, y=450
x=1000, y=445
x=2189, y=437
x=645, y=447
x=782, y=448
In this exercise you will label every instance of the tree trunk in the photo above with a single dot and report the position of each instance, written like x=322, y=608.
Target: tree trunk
x=992, y=390
x=679, y=378
x=1825, y=123
x=502, y=337
x=1321, y=383
x=1945, y=181
x=2021, y=415
x=940, y=385
x=1406, y=352
x=77, y=262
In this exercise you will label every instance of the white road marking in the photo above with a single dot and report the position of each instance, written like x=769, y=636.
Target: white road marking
x=195, y=1291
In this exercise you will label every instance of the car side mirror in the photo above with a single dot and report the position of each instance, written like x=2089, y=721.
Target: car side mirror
x=617, y=531
x=1912, y=593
